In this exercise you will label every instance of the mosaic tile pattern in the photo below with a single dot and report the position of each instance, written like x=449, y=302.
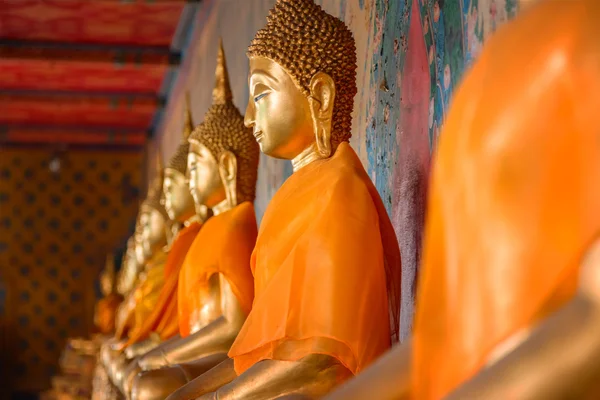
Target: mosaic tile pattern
x=55, y=231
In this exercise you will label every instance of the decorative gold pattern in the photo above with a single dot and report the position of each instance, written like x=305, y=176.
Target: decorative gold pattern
x=302, y=38
x=223, y=130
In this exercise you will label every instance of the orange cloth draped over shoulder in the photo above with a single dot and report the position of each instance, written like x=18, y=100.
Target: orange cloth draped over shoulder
x=142, y=300
x=223, y=246
x=105, y=313
x=515, y=198
x=326, y=270
x=163, y=319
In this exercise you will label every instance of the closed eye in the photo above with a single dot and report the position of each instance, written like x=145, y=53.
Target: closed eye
x=260, y=96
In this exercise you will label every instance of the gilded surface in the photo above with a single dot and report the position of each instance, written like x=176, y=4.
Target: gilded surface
x=223, y=131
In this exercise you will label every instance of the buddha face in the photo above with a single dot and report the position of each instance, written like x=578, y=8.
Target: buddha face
x=152, y=231
x=278, y=111
x=178, y=201
x=205, y=182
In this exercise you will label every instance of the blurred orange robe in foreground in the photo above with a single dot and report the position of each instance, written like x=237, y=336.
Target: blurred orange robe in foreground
x=326, y=268
x=163, y=319
x=515, y=199
x=223, y=246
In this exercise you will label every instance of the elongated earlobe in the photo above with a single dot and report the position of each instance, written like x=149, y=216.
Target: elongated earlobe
x=228, y=172
x=321, y=100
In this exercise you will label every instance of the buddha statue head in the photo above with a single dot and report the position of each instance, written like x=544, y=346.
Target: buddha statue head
x=107, y=277
x=178, y=201
x=223, y=157
x=153, y=216
x=302, y=83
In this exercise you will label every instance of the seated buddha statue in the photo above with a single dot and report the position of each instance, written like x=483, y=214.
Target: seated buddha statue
x=102, y=388
x=106, y=307
x=216, y=287
x=508, y=302
x=163, y=324
x=326, y=263
x=142, y=299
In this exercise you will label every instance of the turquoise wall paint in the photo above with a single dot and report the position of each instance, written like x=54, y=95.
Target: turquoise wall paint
x=412, y=54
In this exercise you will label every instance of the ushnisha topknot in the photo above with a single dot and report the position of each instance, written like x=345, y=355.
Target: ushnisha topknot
x=223, y=130
x=179, y=160
x=303, y=39
x=154, y=199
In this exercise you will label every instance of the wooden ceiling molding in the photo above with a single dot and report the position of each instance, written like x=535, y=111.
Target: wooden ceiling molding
x=79, y=71
x=83, y=21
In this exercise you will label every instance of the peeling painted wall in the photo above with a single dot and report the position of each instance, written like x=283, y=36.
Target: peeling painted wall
x=412, y=54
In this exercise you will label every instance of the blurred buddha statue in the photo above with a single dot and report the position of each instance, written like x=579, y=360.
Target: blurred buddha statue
x=326, y=263
x=131, y=264
x=150, y=252
x=79, y=364
x=139, y=303
x=163, y=323
x=106, y=307
x=216, y=287
x=508, y=304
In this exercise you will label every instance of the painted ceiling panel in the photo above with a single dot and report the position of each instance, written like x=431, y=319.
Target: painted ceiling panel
x=72, y=136
x=83, y=71
x=85, y=21
x=41, y=74
x=77, y=111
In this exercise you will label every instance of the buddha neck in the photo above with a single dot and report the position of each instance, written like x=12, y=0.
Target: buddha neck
x=221, y=207
x=306, y=157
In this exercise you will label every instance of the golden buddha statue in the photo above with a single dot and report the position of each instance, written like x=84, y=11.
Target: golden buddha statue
x=163, y=323
x=216, y=287
x=508, y=298
x=102, y=389
x=150, y=251
x=106, y=307
x=181, y=210
x=320, y=315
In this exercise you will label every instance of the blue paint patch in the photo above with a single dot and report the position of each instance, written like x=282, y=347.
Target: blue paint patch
x=381, y=144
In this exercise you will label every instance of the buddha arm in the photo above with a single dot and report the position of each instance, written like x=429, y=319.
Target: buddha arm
x=561, y=357
x=313, y=375
x=387, y=379
x=217, y=336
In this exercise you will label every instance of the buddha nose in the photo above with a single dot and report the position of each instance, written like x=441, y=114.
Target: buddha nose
x=249, y=116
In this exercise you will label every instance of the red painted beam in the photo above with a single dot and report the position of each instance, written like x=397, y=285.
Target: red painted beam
x=84, y=21
x=31, y=135
x=76, y=111
x=118, y=56
x=81, y=76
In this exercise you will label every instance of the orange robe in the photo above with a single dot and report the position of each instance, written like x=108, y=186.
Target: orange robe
x=326, y=270
x=105, y=312
x=142, y=300
x=223, y=246
x=163, y=319
x=515, y=197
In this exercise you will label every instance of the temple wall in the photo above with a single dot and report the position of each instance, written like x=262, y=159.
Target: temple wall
x=411, y=56
x=56, y=229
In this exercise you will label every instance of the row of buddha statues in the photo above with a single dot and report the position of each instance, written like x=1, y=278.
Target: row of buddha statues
x=208, y=305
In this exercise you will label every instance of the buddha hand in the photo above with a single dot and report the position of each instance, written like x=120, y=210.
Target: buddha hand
x=154, y=359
